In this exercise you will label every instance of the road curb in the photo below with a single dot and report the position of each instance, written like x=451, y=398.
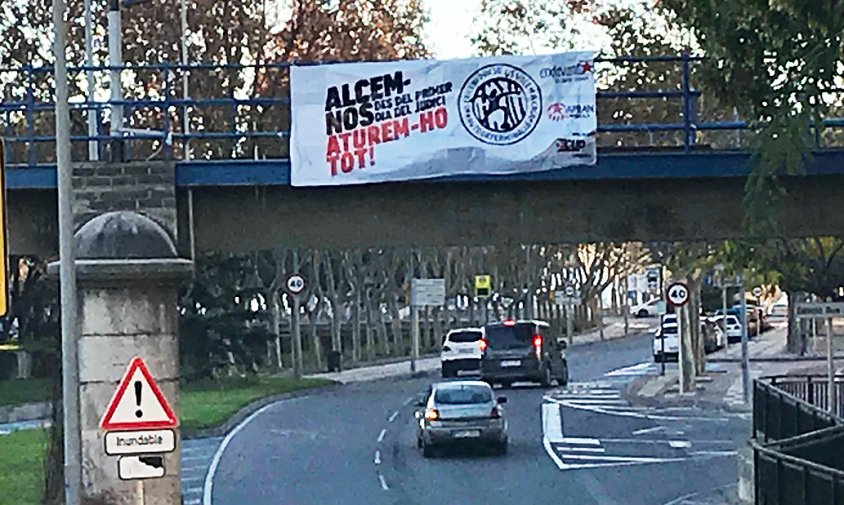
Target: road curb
x=631, y=394
x=248, y=410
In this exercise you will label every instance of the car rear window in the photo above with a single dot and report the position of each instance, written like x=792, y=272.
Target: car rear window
x=464, y=395
x=510, y=337
x=465, y=336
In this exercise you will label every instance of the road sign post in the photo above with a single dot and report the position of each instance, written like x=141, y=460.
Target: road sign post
x=295, y=284
x=678, y=294
x=745, y=367
x=824, y=311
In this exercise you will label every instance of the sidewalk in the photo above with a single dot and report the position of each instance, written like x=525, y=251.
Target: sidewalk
x=613, y=329
x=721, y=386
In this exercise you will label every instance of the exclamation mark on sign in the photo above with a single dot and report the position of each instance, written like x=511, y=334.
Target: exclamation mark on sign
x=372, y=155
x=138, y=413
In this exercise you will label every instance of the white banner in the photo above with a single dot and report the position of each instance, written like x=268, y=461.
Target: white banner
x=357, y=123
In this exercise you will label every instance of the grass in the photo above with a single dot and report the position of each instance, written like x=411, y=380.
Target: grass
x=15, y=392
x=209, y=403
x=22, y=456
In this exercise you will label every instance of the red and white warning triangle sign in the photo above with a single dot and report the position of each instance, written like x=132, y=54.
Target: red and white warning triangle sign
x=138, y=404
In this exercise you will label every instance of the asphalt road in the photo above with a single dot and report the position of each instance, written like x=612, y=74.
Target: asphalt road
x=580, y=445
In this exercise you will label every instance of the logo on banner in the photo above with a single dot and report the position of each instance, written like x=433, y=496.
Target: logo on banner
x=569, y=73
x=500, y=104
x=558, y=111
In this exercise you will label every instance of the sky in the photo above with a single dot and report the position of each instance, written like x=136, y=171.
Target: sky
x=450, y=27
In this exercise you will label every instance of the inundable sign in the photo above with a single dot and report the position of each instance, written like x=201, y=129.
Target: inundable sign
x=138, y=403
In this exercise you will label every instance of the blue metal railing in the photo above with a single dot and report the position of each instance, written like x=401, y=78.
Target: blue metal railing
x=243, y=111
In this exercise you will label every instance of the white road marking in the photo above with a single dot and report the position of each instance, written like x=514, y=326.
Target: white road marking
x=637, y=369
x=624, y=459
x=686, y=497
x=604, y=401
x=648, y=430
x=552, y=423
x=580, y=441
x=581, y=449
x=208, y=488
x=553, y=454
x=630, y=413
x=713, y=453
x=394, y=416
x=196, y=458
x=193, y=501
x=384, y=485
x=680, y=444
x=377, y=460
x=381, y=435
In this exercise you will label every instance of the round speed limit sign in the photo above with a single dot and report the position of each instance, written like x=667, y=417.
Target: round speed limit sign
x=678, y=293
x=295, y=284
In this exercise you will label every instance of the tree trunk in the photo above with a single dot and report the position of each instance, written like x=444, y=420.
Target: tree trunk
x=314, y=316
x=687, y=351
x=275, y=326
x=370, y=345
x=792, y=342
x=356, y=326
x=398, y=340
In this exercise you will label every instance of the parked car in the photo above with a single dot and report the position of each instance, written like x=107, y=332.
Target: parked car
x=461, y=352
x=714, y=337
x=666, y=344
x=647, y=309
x=522, y=351
x=732, y=327
x=461, y=412
x=778, y=312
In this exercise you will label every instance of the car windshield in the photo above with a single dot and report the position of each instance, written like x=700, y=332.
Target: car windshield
x=510, y=337
x=463, y=395
x=464, y=336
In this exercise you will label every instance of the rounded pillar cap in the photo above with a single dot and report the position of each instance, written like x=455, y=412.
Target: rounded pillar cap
x=123, y=235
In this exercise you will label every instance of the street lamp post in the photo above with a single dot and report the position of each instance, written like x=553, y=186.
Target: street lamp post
x=67, y=267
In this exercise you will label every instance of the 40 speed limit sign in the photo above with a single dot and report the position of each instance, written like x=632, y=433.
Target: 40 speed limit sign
x=677, y=293
x=295, y=284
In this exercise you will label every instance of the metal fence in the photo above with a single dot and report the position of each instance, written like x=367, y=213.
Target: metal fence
x=235, y=111
x=797, y=444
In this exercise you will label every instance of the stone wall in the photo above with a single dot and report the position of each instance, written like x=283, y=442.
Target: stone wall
x=145, y=187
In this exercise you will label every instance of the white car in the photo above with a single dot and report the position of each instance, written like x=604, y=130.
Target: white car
x=666, y=344
x=733, y=327
x=461, y=352
x=647, y=309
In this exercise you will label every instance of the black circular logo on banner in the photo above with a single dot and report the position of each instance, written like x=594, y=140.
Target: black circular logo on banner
x=500, y=104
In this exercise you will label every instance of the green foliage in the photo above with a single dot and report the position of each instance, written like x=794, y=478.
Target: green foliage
x=218, y=327
x=211, y=402
x=22, y=458
x=772, y=61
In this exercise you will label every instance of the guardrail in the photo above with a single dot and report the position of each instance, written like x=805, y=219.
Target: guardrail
x=234, y=111
x=796, y=444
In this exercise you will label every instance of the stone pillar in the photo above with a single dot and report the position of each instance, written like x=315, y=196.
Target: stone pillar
x=128, y=278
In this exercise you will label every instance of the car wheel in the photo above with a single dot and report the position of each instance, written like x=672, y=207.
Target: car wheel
x=546, y=378
x=427, y=450
x=564, y=379
x=642, y=313
x=501, y=448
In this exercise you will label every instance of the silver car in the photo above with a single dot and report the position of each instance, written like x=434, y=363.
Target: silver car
x=461, y=412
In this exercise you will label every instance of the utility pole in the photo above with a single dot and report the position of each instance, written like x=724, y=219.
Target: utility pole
x=745, y=371
x=830, y=370
x=185, y=77
x=295, y=326
x=115, y=60
x=414, y=318
x=67, y=269
x=93, y=154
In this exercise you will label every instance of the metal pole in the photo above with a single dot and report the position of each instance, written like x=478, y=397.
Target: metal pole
x=724, y=313
x=830, y=369
x=185, y=77
x=67, y=268
x=115, y=60
x=662, y=346
x=570, y=323
x=93, y=154
x=414, y=317
x=297, y=333
x=139, y=492
x=681, y=368
x=626, y=307
x=745, y=369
